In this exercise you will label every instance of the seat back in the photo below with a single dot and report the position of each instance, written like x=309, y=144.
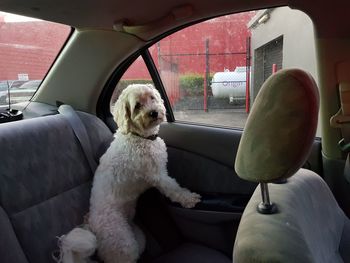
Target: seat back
x=307, y=224
x=45, y=183
x=308, y=227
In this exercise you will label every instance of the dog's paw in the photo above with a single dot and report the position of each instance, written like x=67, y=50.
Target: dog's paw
x=189, y=199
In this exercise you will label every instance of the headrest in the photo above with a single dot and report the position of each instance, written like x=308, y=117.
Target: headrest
x=280, y=128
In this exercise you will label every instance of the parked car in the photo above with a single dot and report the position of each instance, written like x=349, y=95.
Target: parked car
x=45, y=176
x=3, y=91
x=23, y=92
x=5, y=86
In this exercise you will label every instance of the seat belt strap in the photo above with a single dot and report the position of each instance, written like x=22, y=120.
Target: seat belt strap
x=80, y=133
x=341, y=119
x=347, y=169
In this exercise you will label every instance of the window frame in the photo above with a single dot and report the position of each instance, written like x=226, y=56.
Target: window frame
x=147, y=58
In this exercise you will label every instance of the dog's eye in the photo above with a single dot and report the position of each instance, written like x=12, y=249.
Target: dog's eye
x=138, y=106
x=153, y=98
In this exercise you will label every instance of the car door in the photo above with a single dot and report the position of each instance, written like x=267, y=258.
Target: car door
x=204, y=126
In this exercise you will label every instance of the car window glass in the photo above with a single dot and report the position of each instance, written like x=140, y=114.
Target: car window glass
x=28, y=47
x=212, y=71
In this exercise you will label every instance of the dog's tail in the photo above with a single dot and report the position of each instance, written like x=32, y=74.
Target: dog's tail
x=77, y=246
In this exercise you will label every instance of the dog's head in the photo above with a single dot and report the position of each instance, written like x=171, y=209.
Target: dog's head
x=139, y=109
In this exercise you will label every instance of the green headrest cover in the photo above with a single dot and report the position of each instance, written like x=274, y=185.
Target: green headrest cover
x=280, y=128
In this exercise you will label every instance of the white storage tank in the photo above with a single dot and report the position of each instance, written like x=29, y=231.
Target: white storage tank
x=230, y=84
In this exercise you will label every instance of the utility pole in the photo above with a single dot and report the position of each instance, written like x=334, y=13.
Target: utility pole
x=206, y=77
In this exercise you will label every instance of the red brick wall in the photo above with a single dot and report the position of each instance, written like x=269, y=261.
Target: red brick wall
x=226, y=34
x=29, y=48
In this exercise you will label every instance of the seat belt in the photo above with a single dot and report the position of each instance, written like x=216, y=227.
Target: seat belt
x=80, y=133
x=341, y=120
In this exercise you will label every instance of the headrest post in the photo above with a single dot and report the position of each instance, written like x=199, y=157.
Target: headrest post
x=266, y=207
x=265, y=193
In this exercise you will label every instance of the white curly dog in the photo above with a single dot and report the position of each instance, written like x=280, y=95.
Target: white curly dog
x=135, y=161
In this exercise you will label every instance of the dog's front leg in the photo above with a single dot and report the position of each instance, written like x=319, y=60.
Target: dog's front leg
x=171, y=189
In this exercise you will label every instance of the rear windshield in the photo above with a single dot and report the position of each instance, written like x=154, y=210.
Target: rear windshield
x=28, y=47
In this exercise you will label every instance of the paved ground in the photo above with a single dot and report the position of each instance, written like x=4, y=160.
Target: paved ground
x=223, y=117
x=235, y=118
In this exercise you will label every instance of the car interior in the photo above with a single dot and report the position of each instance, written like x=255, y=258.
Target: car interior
x=272, y=169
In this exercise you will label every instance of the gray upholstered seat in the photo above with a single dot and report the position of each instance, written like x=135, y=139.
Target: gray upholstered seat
x=45, y=182
x=308, y=225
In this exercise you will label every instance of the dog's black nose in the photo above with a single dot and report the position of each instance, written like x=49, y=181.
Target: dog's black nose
x=153, y=114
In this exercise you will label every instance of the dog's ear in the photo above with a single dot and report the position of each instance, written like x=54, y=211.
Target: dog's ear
x=156, y=93
x=121, y=113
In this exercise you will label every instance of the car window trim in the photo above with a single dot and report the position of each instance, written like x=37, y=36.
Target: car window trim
x=152, y=69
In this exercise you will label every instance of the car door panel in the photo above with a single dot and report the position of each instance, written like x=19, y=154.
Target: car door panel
x=197, y=225
x=219, y=144
x=201, y=158
x=205, y=175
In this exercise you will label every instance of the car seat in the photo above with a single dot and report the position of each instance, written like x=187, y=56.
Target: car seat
x=298, y=219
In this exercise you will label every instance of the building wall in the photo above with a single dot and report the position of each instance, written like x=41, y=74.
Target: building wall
x=29, y=48
x=298, y=39
x=225, y=34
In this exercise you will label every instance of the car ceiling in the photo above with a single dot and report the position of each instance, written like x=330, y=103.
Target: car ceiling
x=104, y=13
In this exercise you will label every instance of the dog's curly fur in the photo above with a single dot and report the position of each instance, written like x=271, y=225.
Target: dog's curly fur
x=132, y=164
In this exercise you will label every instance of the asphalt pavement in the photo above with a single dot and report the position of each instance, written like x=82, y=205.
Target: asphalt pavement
x=235, y=118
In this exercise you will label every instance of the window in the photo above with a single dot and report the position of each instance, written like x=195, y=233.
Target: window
x=212, y=71
x=204, y=70
x=28, y=47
